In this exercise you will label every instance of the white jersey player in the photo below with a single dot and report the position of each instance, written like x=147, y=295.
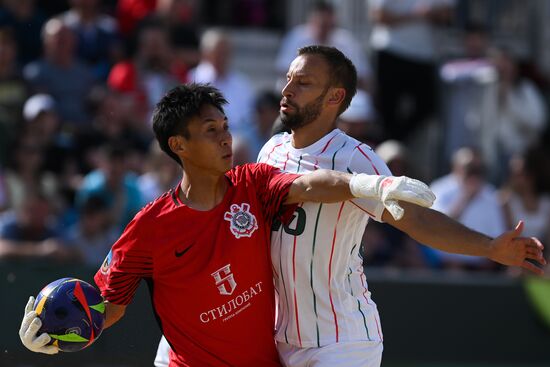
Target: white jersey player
x=326, y=316
x=323, y=295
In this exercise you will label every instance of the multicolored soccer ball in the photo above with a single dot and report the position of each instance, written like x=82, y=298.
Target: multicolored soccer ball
x=72, y=313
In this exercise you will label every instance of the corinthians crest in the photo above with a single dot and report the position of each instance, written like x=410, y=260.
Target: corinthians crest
x=242, y=222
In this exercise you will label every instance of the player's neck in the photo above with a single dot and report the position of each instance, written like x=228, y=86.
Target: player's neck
x=307, y=135
x=202, y=191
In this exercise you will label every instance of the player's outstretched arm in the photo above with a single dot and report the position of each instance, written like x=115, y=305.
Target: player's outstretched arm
x=437, y=230
x=328, y=186
x=28, y=332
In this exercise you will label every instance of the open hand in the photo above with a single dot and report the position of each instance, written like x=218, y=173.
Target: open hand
x=513, y=250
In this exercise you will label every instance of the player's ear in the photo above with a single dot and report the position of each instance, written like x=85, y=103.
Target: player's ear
x=336, y=96
x=177, y=144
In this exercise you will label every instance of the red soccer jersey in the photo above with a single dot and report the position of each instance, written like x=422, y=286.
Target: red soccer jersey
x=212, y=285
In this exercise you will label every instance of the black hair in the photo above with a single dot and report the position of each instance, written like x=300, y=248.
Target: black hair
x=174, y=111
x=342, y=71
x=322, y=6
x=267, y=98
x=94, y=204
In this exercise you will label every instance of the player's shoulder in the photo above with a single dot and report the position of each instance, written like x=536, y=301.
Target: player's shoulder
x=351, y=145
x=278, y=139
x=247, y=170
x=272, y=144
x=163, y=204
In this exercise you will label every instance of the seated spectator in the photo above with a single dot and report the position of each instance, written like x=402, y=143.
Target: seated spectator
x=247, y=143
x=114, y=183
x=43, y=127
x=30, y=232
x=147, y=75
x=26, y=21
x=359, y=120
x=466, y=196
x=215, y=68
x=383, y=244
x=60, y=74
x=97, y=34
x=520, y=113
x=13, y=92
x=94, y=234
x=404, y=49
x=524, y=196
x=115, y=120
x=25, y=174
x=321, y=29
x=161, y=174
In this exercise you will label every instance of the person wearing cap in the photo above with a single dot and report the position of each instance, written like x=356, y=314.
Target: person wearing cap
x=358, y=121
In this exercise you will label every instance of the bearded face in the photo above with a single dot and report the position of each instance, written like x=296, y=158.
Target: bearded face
x=301, y=116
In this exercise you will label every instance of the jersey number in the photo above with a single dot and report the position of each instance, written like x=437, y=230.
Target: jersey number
x=295, y=226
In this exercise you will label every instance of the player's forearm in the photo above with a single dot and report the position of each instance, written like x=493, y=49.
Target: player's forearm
x=320, y=186
x=113, y=313
x=437, y=230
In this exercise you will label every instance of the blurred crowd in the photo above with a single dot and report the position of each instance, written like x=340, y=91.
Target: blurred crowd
x=79, y=80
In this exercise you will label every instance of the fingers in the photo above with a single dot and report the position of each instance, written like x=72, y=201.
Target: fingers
x=30, y=305
x=395, y=210
x=41, y=341
x=518, y=229
x=537, y=243
x=532, y=268
x=50, y=349
x=33, y=328
x=27, y=323
x=535, y=254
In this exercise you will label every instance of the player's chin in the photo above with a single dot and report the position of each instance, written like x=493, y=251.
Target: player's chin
x=227, y=163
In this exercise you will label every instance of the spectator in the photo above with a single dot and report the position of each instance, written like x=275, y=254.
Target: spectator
x=97, y=34
x=402, y=38
x=520, y=115
x=468, y=92
x=113, y=182
x=94, y=234
x=26, y=21
x=43, y=126
x=115, y=120
x=215, y=68
x=247, y=143
x=359, y=120
x=25, y=173
x=321, y=29
x=30, y=232
x=130, y=12
x=60, y=74
x=384, y=245
x=161, y=174
x=466, y=196
x=13, y=93
x=147, y=76
x=524, y=196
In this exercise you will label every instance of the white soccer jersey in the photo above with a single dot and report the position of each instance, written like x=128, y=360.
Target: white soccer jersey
x=323, y=297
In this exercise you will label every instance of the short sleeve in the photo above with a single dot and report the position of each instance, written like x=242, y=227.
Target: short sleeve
x=129, y=261
x=272, y=186
x=364, y=160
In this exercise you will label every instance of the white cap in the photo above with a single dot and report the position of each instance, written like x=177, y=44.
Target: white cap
x=390, y=150
x=37, y=104
x=360, y=108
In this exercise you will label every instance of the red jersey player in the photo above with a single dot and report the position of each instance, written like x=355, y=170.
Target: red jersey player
x=204, y=246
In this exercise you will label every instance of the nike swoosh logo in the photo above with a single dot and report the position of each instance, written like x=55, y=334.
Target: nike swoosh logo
x=181, y=253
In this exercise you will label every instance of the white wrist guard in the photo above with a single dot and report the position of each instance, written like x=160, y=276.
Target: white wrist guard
x=389, y=190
